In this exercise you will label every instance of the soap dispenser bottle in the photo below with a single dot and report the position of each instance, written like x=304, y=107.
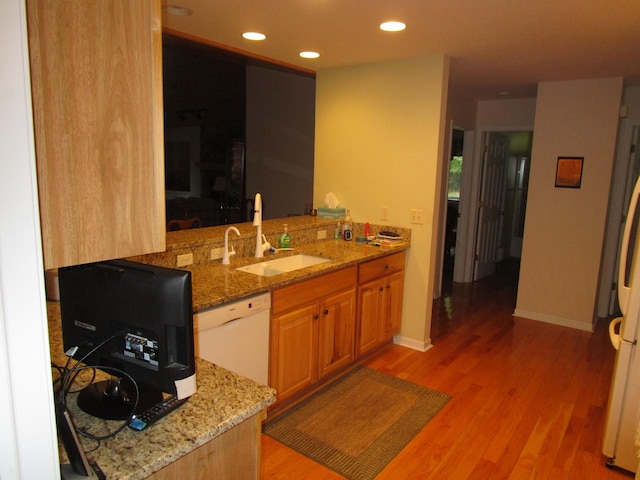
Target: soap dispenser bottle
x=285, y=238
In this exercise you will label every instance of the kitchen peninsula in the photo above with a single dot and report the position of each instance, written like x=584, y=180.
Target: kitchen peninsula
x=219, y=427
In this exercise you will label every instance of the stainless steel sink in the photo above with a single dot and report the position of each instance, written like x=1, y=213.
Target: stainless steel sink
x=278, y=266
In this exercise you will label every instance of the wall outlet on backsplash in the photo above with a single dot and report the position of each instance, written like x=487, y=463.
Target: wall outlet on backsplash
x=217, y=253
x=184, y=259
x=322, y=234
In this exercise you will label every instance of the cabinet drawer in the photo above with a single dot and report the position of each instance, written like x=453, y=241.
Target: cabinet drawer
x=382, y=266
x=308, y=291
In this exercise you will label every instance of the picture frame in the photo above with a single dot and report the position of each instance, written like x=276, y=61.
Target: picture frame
x=569, y=172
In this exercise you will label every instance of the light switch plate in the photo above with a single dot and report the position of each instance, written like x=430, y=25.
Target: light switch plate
x=416, y=216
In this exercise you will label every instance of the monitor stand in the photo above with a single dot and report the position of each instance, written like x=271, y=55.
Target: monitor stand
x=113, y=399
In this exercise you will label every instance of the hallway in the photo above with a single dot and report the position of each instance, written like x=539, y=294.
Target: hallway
x=529, y=398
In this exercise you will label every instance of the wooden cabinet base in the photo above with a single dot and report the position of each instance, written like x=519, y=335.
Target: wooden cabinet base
x=234, y=454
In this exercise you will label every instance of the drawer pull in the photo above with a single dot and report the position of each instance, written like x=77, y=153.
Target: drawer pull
x=326, y=312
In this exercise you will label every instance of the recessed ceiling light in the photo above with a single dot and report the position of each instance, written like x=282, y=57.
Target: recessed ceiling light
x=392, y=26
x=309, y=54
x=178, y=11
x=254, y=36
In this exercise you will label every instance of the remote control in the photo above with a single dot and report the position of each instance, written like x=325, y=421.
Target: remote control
x=156, y=412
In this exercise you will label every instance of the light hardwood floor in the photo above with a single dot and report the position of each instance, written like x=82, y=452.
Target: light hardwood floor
x=529, y=398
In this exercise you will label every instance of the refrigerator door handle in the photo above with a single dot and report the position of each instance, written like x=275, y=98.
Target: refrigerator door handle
x=614, y=336
x=624, y=290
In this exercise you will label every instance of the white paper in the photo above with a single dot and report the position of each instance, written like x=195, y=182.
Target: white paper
x=331, y=200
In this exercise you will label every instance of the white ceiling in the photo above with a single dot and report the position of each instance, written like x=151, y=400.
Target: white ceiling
x=494, y=45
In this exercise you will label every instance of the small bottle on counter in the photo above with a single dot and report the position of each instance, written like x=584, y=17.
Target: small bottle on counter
x=347, y=232
x=337, y=234
x=285, y=239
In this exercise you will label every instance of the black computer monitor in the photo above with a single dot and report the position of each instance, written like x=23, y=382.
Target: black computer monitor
x=143, y=315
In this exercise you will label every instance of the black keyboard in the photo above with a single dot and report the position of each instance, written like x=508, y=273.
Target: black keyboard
x=153, y=414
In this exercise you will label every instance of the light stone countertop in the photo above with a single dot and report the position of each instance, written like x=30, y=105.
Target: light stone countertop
x=214, y=284
x=223, y=400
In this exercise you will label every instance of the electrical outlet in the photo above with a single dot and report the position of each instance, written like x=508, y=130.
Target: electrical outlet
x=184, y=259
x=322, y=234
x=217, y=253
x=416, y=216
x=384, y=213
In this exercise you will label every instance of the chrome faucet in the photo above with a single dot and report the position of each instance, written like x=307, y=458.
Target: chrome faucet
x=227, y=253
x=257, y=222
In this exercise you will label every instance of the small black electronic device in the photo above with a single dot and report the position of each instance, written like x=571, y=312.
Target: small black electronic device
x=134, y=319
x=154, y=413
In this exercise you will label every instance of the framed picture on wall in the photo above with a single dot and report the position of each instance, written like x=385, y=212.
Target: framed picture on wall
x=569, y=172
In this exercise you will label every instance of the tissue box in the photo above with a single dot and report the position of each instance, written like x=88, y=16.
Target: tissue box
x=326, y=212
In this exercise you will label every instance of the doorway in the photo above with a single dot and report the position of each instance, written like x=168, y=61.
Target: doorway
x=453, y=205
x=502, y=201
x=505, y=248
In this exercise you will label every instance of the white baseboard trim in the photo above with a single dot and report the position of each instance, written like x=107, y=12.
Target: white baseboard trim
x=563, y=322
x=413, y=344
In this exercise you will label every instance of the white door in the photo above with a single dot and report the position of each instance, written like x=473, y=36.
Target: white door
x=496, y=151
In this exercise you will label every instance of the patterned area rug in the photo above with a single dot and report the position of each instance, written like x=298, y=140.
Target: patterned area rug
x=356, y=425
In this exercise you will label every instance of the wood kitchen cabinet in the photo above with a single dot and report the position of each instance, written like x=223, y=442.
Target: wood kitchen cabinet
x=294, y=350
x=96, y=75
x=233, y=454
x=336, y=338
x=380, y=287
x=312, y=331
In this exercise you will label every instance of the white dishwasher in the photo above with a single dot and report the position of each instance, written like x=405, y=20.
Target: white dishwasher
x=235, y=335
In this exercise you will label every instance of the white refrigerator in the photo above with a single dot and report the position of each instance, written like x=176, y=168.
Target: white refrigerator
x=623, y=412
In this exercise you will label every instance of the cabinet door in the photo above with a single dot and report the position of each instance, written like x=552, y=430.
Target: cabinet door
x=370, y=303
x=336, y=332
x=392, y=316
x=96, y=71
x=294, y=350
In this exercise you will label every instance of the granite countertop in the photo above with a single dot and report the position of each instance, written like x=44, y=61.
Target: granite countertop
x=223, y=399
x=214, y=284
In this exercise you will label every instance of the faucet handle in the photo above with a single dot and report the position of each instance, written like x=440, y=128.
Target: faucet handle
x=265, y=245
x=226, y=255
